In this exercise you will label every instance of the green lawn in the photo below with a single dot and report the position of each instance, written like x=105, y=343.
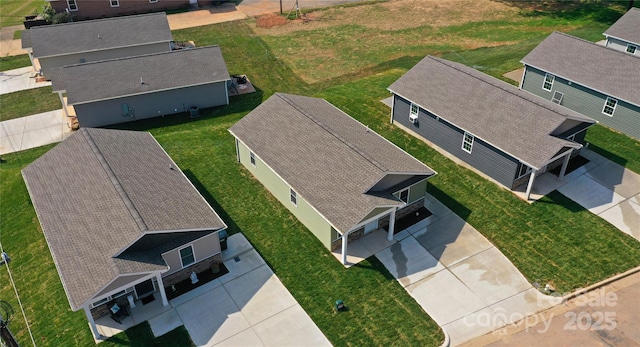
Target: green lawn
x=14, y=62
x=12, y=12
x=553, y=240
x=28, y=102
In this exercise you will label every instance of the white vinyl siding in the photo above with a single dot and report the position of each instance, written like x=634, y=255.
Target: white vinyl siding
x=548, y=82
x=609, y=106
x=467, y=142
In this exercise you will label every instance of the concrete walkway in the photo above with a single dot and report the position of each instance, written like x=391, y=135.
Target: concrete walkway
x=607, y=190
x=19, y=79
x=33, y=131
x=459, y=278
x=607, y=316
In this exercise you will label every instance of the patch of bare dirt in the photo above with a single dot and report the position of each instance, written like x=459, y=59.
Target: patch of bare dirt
x=270, y=21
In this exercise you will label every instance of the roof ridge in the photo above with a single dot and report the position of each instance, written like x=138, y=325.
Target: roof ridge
x=333, y=133
x=605, y=49
x=513, y=92
x=114, y=180
x=100, y=20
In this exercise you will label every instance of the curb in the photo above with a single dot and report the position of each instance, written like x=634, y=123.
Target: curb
x=600, y=284
x=447, y=340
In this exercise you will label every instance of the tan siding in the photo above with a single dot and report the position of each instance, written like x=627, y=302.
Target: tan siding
x=172, y=258
x=417, y=191
x=206, y=247
x=280, y=190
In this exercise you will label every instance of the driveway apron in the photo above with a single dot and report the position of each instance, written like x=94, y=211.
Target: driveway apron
x=459, y=278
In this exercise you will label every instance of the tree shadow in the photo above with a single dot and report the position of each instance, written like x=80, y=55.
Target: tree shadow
x=601, y=11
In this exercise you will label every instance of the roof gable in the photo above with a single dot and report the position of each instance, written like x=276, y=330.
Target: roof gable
x=97, y=192
x=510, y=119
x=606, y=70
x=627, y=28
x=327, y=157
x=141, y=74
x=99, y=34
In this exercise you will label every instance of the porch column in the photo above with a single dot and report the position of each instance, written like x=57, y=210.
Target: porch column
x=165, y=302
x=345, y=238
x=392, y=224
x=92, y=324
x=530, y=185
x=33, y=64
x=64, y=105
x=564, y=166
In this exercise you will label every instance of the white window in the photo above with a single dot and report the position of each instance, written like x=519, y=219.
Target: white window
x=115, y=3
x=252, y=158
x=414, y=110
x=404, y=196
x=293, y=196
x=71, y=5
x=548, y=82
x=153, y=1
x=631, y=49
x=524, y=170
x=609, y=106
x=186, y=256
x=467, y=142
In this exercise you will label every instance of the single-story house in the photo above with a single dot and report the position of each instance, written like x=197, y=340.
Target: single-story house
x=624, y=34
x=92, y=9
x=120, y=90
x=505, y=133
x=120, y=218
x=588, y=78
x=80, y=42
x=338, y=177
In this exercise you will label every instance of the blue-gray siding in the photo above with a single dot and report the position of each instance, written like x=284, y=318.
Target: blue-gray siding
x=626, y=117
x=163, y=103
x=489, y=160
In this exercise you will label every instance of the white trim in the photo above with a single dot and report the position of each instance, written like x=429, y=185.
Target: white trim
x=193, y=254
x=403, y=174
x=635, y=49
x=153, y=1
x=408, y=190
x=117, y=3
x=293, y=197
x=363, y=223
x=544, y=81
x=583, y=85
x=526, y=172
x=75, y=4
x=613, y=109
x=92, y=299
x=465, y=142
x=393, y=105
x=524, y=73
x=252, y=158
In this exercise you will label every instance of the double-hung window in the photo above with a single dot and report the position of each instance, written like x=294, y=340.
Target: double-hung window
x=115, y=3
x=186, y=256
x=404, y=196
x=631, y=49
x=72, y=5
x=609, y=106
x=467, y=142
x=293, y=196
x=414, y=110
x=548, y=82
x=252, y=158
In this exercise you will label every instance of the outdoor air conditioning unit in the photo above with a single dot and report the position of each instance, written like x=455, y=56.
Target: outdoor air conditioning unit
x=413, y=118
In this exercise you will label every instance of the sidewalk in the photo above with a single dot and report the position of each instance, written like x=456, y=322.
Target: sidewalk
x=33, y=131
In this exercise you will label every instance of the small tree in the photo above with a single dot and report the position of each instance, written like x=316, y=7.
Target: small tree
x=50, y=15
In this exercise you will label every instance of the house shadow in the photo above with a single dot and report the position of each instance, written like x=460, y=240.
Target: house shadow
x=599, y=11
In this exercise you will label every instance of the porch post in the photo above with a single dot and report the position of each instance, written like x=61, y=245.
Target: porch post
x=530, y=185
x=165, y=302
x=33, y=64
x=392, y=224
x=345, y=238
x=64, y=105
x=393, y=104
x=92, y=324
x=564, y=166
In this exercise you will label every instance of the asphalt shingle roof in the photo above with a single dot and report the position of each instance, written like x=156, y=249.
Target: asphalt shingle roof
x=327, y=157
x=510, y=119
x=606, y=70
x=99, y=191
x=114, y=78
x=627, y=28
x=99, y=34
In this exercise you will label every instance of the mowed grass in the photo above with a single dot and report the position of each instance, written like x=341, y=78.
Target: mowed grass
x=14, y=62
x=12, y=12
x=28, y=102
x=553, y=240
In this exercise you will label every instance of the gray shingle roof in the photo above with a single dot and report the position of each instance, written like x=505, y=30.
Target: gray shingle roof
x=627, y=28
x=327, y=157
x=603, y=69
x=114, y=78
x=510, y=119
x=99, y=191
x=99, y=34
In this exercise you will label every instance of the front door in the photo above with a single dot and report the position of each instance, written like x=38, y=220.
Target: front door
x=371, y=226
x=145, y=288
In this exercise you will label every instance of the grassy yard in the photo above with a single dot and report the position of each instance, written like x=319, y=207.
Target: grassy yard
x=28, y=102
x=12, y=12
x=553, y=240
x=14, y=62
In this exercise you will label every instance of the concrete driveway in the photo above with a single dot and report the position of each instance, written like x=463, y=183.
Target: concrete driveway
x=19, y=79
x=607, y=190
x=33, y=131
x=249, y=306
x=459, y=278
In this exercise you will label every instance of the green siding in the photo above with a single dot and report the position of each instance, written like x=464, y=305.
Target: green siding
x=416, y=191
x=626, y=117
x=375, y=212
x=319, y=226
